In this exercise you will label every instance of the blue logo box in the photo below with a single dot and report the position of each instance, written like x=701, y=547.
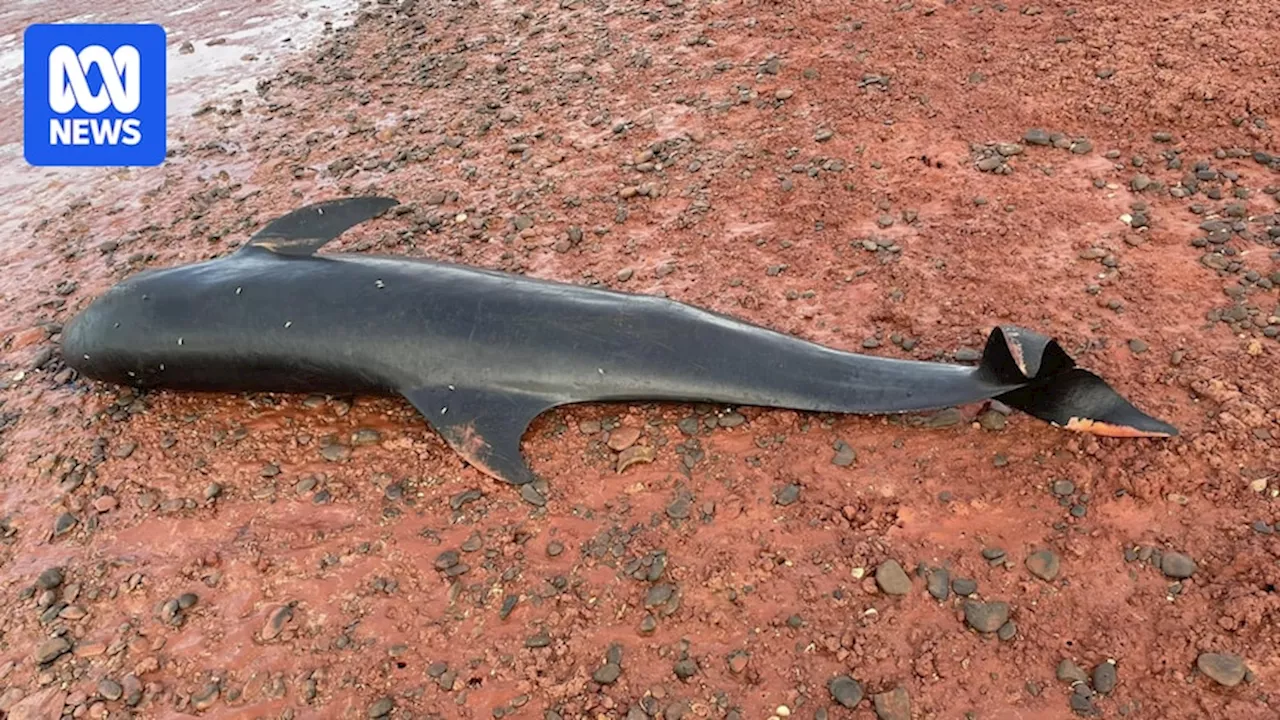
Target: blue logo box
x=94, y=95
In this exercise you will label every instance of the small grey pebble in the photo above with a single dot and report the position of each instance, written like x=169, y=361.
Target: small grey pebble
x=986, y=617
x=1177, y=566
x=1104, y=677
x=892, y=579
x=50, y=578
x=607, y=674
x=845, y=455
x=1069, y=672
x=1223, y=668
x=845, y=690
x=939, y=583
x=787, y=495
x=381, y=708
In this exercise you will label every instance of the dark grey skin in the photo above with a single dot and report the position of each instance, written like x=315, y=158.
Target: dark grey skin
x=481, y=353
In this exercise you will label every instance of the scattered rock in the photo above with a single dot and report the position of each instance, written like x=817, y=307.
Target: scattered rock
x=446, y=560
x=49, y=578
x=64, y=523
x=1037, y=136
x=1177, y=566
x=635, y=454
x=939, y=583
x=110, y=689
x=658, y=595
x=986, y=617
x=1105, y=677
x=530, y=494
x=1223, y=668
x=893, y=705
x=1044, y=564
x=1082, y=705
x=381, y=708
x=206, y=697
x=1069, y=672
x=845, y=455
x=51, y=650
x=132, y=689
x=992, y=420
x=623, y=438
x=787, y=494
x=276, y=622
x=892, y=579
x=105, y=504
x=607, y=674
x=845, y=690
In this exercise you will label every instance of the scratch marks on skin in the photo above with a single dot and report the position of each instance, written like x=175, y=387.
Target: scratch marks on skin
x=470, y=444
x=1015, y=350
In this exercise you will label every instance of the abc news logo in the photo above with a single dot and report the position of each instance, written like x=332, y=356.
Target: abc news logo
x=94, y=94
x=69, y=89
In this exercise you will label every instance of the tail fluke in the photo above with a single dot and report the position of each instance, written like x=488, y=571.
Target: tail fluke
x=1081, y=401
x=1056, y=391
x=1016, y=355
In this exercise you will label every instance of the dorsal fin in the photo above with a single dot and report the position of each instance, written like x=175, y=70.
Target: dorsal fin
x=305, y=230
